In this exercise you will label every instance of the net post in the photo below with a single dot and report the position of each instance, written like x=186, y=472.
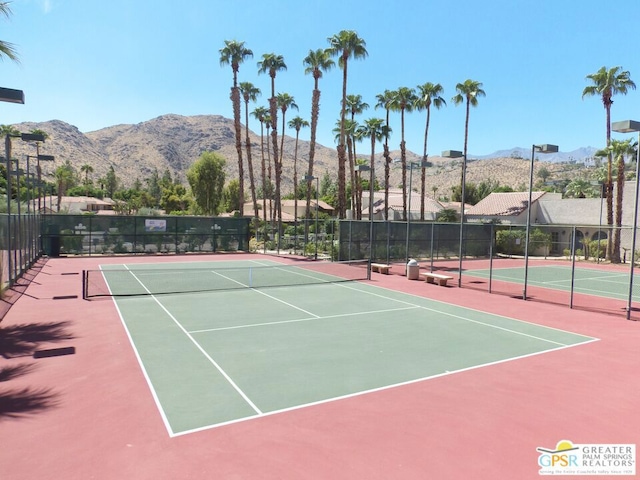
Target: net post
x=84, y=284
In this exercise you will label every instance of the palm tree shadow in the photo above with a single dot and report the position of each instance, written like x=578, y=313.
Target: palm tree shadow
x=24, y=339
x=26, y=401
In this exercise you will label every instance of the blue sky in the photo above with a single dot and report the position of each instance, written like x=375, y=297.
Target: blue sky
x=95, y=64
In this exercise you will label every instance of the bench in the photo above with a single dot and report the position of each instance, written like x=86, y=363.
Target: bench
x=431, y=277
x=380, y=268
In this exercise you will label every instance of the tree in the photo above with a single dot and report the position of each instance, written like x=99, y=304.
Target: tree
x=468, y=92
x=249, y=94
x=374, y=129
x=234, y=53
x=7, y=49
x=9, y=131
x=65, y=176
x=384, y=101
x=606, y=83
x=578, y=188
x=87, y=170
x=428, y=94
x=316, y=62
x=111, y=182
x=296, y=123
x=206, y=179
x=261, y=114
x=285, y=101
x=344, y=45
x=403, y=101
x=272, y=64
x=618, y=149
x=356, y=106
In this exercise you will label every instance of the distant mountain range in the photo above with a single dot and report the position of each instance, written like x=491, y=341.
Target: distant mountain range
x=175, y=142
x=581, y=155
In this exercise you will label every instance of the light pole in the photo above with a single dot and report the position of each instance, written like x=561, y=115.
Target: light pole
x=628, y=126
x=458, y=154
x=310, y=178
x=542, y=149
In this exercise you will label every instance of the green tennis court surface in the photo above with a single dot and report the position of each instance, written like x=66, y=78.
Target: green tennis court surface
x=224, y=356
x=588, y=281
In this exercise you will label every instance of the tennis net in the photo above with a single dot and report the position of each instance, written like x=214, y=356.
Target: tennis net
x=189, y=278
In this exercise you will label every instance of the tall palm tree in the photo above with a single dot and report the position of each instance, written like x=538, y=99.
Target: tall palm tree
x=384, y=101
x=468, y=92
x=285, y=102
x=315, y=63
x=8, y=131
x=375, y=130
x=87, y=170
x=272, y=64
x=345, y=45
x=296, y=123
x=403, y=101
x=618, y=149
x=606, y=83
x=260, y=114
x=45, y=135
x=249, y=94
x=7, y=49
x=428, y=94
x=234, y=53
x=356, y=106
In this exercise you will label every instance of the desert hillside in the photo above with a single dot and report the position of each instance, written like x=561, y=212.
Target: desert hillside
x=175, y=142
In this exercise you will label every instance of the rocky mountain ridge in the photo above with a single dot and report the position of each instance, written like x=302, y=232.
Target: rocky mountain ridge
x=174, y=142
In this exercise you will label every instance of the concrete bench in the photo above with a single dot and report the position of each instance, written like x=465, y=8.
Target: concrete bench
x=431, y=277
x=380, y=268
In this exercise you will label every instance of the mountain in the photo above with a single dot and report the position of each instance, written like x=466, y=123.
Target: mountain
x=582, y=155
x=175, y=142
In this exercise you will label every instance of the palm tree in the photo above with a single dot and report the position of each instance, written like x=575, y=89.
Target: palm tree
x=468, y=92
x=355, y=106
x=285, y=102
x=403, y=101
x=315, y=63
x=7, y=49
x=375, y=130
x=428, y=94
x=249, y=94
x=234, y=53
x=606, y=84
x=272, y=64
x=87, y=170
x=384, y=101
x=296, y=123
x=9, y=131
x=344, y=45
x=260, y=114
x=45, y=135
x=618, y=149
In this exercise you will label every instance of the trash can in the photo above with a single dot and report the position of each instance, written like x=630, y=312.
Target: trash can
x=413, y=270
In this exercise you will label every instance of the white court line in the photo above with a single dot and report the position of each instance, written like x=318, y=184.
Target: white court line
x=296, y=320
x=461, y=307
x=202, y=350
x=154, y=394
x=377, y=389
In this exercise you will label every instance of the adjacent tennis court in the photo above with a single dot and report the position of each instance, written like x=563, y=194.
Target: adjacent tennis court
x=588, y=281
x=252, y=345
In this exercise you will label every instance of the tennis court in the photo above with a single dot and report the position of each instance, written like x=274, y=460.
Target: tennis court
x=588, y=281
x=252, y=345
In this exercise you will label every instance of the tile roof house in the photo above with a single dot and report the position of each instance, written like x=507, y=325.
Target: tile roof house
x=507, y=207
